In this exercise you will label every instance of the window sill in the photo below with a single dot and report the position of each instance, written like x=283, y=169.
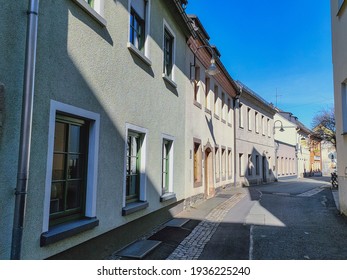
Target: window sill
x=208, y=111
x=216, y=116
x=223, y=121
x=197, y=104
x=134, y=207
x=89, y=10
x=139, y=54
x=66, y=230
x=169, y=80
x=167, y=196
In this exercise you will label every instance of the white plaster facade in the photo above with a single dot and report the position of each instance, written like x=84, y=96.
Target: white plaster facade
x=285, y=145
x=89, y=72
x=255, y=157
x=209, y=123
x=339, y=43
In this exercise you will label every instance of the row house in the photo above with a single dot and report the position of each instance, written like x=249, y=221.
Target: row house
x=255, y=158
x=303, y=150
x=285, y=137
x=339, y=43
x=209, y=119
x=107, y=129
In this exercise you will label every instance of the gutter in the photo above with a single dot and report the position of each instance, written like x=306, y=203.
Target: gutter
x=26, y=128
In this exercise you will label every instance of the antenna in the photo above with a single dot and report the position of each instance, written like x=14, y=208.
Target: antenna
x=277, y=95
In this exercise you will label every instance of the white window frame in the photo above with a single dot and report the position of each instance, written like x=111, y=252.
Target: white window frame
x=143, y=176
x=146, y=55
x=171, y=160
x=93, y=155
x=97, y=12
x=171, y=79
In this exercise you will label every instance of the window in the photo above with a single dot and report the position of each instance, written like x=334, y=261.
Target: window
x=197, y=163
x=70, y=191
x=90, y=3
x=137, y=24
x=229, y=111
x=340, y=3
x=197, y=84
x=134, y=198
x=250, y=164
x=168, y=52
x=217, y=169
x=241, y=115
x=344, y=107
x=167, y=168
x=230, y=171
x=241, y=166
x=263, y=125
x=249, y=120
x=216, y=92
x=256, y=120
x=207, y=91
x=223, y=163
x=257, y=169
x=68, y=187
x=133, y=170
x=94, y=8
x=268, y=128
x=223, y=106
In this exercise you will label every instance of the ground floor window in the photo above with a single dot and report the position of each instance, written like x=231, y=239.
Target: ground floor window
x=71, y=176
x=167, y=166
x=70, y=155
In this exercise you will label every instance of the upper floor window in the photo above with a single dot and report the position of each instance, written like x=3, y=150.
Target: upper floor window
x=249, y=119
x=340, y=3
x=90, y=2
x=137, y=24
x=216, y=93
x=223, y=105
x=168, y=52
x=240, y=115
x=207, y=93
x=94, y=8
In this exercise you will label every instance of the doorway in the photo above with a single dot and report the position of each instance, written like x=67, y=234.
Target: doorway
x=208, y=166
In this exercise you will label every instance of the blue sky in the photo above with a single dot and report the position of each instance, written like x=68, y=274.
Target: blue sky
x=275, y=46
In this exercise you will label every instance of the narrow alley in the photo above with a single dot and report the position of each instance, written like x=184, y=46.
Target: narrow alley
x=291, y=219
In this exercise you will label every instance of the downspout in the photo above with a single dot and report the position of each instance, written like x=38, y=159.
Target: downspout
x=237, y=97
x=26, y=127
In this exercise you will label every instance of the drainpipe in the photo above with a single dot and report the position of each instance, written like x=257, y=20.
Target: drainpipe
x=237, y=97
x=26, y=127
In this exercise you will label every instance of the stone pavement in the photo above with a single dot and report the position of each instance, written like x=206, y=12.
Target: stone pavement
x=192, y=246
x=186, y=241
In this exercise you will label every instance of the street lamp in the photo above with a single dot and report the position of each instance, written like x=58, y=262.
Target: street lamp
x=281, y=127
x=212, y=69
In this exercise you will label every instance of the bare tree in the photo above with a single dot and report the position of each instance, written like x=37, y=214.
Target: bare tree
x=323, y=124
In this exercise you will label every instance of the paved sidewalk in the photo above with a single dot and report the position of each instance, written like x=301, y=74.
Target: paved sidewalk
x=192, y=246
x=186, y=235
